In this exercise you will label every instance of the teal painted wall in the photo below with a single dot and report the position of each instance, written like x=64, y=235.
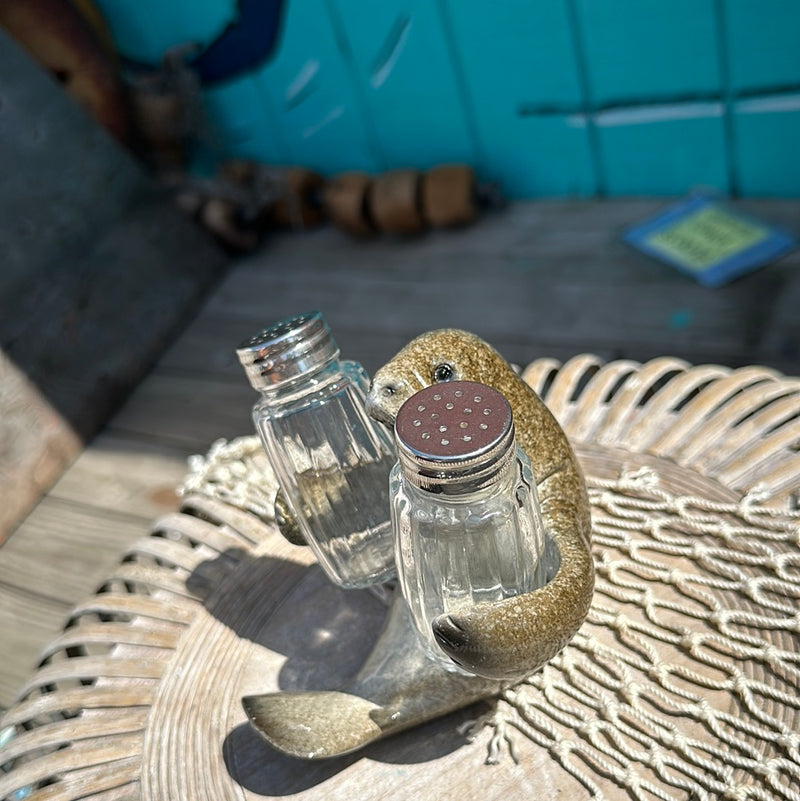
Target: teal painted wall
x=547, y=97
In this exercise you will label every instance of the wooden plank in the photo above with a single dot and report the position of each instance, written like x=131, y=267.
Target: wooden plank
x=36, y=444
x=93, y=250
x=126, y=474
x=598, y=295
x=778, y=334
x=27, y=623
x=64, y=179
x=545, y=278
x=204, y=353
x=584, y=234
x=187, y=412
x=581, y=227
x=63, y=551
x=72, y=333
x=312, y=97
x=402, y=61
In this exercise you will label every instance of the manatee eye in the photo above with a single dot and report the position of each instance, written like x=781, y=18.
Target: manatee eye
x=388, y=390
x=442, y=373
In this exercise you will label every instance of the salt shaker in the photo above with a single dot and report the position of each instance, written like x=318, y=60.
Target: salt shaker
x=331, y=460
x=465, y=512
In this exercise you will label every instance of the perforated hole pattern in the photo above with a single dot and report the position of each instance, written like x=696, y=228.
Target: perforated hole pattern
x=453, y=420
x=279, y=330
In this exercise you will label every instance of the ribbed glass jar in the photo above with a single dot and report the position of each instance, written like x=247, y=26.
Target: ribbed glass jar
x=331, y=460
x=464, y=507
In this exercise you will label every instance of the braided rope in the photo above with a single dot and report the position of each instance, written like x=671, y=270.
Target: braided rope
x=683, y=683
x=690, y=593
x=236, y=472
x=685, y=678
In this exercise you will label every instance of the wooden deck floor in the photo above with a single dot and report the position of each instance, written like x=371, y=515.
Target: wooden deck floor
x=536, y=279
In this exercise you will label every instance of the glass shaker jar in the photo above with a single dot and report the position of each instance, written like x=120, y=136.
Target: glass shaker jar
x=331, y=460
x=464, y=507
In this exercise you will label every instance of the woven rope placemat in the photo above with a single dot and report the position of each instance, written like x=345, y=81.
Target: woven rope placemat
x=683, y=683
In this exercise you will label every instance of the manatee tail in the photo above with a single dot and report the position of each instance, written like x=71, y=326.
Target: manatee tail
x=313, y=725
x=397, y=687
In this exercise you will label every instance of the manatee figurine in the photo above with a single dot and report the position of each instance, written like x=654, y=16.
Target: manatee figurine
x=513, y=637
x=500, y=642
x=397, y=687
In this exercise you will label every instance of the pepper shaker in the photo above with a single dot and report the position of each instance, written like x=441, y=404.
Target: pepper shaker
x=465, y=511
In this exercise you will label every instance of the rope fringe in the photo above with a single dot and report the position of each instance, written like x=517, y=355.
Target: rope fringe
x=684, y=681
x=236, y=472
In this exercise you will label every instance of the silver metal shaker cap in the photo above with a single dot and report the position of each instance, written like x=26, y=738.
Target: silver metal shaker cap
x=287, y=350
x=455, y=437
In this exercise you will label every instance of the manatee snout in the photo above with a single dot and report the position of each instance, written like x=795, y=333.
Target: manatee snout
x=384, y=399
x=373, y=406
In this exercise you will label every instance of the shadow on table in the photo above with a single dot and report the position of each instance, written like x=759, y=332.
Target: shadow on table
x=260, y=769
x=316, y=634
x=312, y=635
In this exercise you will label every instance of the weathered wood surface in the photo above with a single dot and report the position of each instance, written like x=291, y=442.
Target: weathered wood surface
x=537, y=279
x=187, y=411
x=50, y=559
x=28, y=620
x=36, y=444
x=99, y=273
x=217, y=605
x=130, y=475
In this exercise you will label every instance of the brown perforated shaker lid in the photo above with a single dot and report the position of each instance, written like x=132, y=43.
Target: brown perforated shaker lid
x=453, y=432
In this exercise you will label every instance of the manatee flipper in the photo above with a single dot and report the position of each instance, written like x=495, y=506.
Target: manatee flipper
x=313, y=725
x=513, y=637
x=397, y=687
x=286, y=522
x=516, y=636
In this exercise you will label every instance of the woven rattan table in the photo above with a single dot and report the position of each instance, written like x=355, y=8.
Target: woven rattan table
x=683, y=683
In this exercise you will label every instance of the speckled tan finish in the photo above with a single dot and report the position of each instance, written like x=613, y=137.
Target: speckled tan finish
x=286, y=522
x=397, y=687
x=511, y=638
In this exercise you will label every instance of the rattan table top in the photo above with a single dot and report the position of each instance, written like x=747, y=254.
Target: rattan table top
x=683, y=682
